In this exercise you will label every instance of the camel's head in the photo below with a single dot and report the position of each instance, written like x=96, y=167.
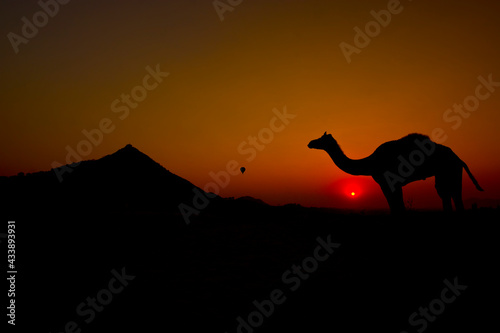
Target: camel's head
x=322, y=143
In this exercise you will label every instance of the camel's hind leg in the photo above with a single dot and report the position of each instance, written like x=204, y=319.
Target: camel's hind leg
x=444, y=191
x=456, y=189
x=457, y=199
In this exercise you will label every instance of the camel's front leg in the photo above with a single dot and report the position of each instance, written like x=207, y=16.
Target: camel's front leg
x=394, y=198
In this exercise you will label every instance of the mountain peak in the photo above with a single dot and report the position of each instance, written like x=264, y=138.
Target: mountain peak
x=126, y=179
x=130, y=155
x=129, y=149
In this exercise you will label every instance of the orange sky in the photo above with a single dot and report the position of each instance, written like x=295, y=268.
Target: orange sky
x=226, y=77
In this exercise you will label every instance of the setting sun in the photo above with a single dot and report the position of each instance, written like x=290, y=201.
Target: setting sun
x=353, y=194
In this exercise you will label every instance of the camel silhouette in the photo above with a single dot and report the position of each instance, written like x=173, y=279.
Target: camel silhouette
x=396, y=163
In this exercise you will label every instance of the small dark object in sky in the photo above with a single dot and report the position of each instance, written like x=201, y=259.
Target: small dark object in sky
x=242, y=169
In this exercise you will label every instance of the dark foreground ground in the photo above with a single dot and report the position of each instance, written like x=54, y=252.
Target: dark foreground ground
x=202, y=277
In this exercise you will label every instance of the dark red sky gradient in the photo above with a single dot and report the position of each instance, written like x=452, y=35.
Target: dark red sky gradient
x=225, y=78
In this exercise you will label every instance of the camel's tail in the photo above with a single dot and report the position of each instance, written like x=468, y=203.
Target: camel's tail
x=472, y=177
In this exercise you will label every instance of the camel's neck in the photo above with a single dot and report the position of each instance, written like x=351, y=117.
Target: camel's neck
x=353, y=167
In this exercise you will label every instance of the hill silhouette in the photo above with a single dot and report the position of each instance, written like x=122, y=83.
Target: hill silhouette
x=125, y=180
